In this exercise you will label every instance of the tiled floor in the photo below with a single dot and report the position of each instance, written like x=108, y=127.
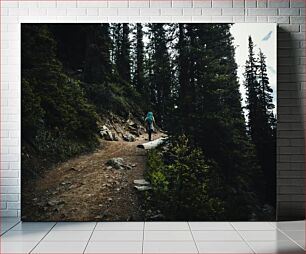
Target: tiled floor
x=152, y=237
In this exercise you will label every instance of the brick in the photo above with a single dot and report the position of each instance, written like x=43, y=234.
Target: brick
x=289, y=28
x=135, y=19
x=201, y=18
x=279, y=19
x=164, y=19
x=9, y=173
x=238, y=4
x=18, y=12
x=291, y=198
x=192, y=11
x=291, y=174
x=222, y=19
x=76, y=12
x=202, y=3
x=118, y=4
x=9, y=213
x=38, y=12
x=250, y=3
x=108, y=11
x=262, y=12
x=9, y=4
x=288, y=11
x=238, y=19
x=297, y=20
x=139, y=4
x=56, y=12
x=13, y=205
x=297, y=3
x=47, y=4
x=150, y=12
x=160, y=4
x=9, y=197
x=128, y=11
x=278, y=3
x=66, y=4
x=182, y=3
x=172, y=11
x=3, y=205
x=233, y=12
x=9, y=181
x=92, y=4
x=262, y=19
x=222, y=3
x=186, y=19
x=92, y=11
x=262, y=3
x=250, y=19
x=211, y=11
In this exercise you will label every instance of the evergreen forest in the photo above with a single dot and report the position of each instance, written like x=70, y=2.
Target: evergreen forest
x=219, y=159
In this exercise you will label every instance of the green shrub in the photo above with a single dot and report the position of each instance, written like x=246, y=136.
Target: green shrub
x=184, y=183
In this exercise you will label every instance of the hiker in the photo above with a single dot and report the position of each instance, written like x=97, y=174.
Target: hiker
x=150, y=122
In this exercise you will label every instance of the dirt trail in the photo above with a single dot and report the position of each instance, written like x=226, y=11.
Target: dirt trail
x=83, y=189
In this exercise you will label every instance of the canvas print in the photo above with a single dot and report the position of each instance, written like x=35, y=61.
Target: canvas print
x=148, y=121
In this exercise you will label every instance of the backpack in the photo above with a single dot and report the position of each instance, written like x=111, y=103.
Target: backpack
x=149, y=118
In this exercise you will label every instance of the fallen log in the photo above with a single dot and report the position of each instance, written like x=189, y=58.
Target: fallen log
x=152, y=144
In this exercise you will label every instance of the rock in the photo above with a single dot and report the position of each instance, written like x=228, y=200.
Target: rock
x=110, y=199
x=55, y=202
x=141, y=182
x=74, y=169
x=128, y=137
x=118, y=163
x=158, y=217
x=133, y=165
x=142, y=188
x=109, y=167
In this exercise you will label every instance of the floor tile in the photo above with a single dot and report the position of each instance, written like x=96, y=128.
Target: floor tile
x=69, y=236
x=273, y=235
x=67, y=226
x=166, y=226
x=221, y=226
x=33, y=226
x=23, y=236
x=216, y=236
x=114, y=247
x=9, y=220
x=120, y=226
x=167, y=236
x=169, y=247
x=17, y=247
x=60, y=247
x=105, y=236
x=224, y=247
x=296, y=235
x=253, y=225
x=276, y=247
x=291, y=225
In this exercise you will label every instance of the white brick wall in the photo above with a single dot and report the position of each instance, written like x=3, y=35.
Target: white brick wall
x=291, y=65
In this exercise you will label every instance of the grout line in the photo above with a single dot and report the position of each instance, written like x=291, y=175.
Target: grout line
x=243, y=238
x=143, y=232
x=90, y=237
x=193, y=237
x=10, y=228
x=42, y=238
x=290, y=238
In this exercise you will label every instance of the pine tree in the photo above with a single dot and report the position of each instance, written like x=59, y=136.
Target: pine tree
x=97, y=66
x=139, y=78
x=160, y=77
x=261, y=121
x=123, y=46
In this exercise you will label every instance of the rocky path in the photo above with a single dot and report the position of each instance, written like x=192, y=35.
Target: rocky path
x=86, y=189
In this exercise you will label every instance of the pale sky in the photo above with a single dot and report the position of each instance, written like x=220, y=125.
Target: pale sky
x=264, y=37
